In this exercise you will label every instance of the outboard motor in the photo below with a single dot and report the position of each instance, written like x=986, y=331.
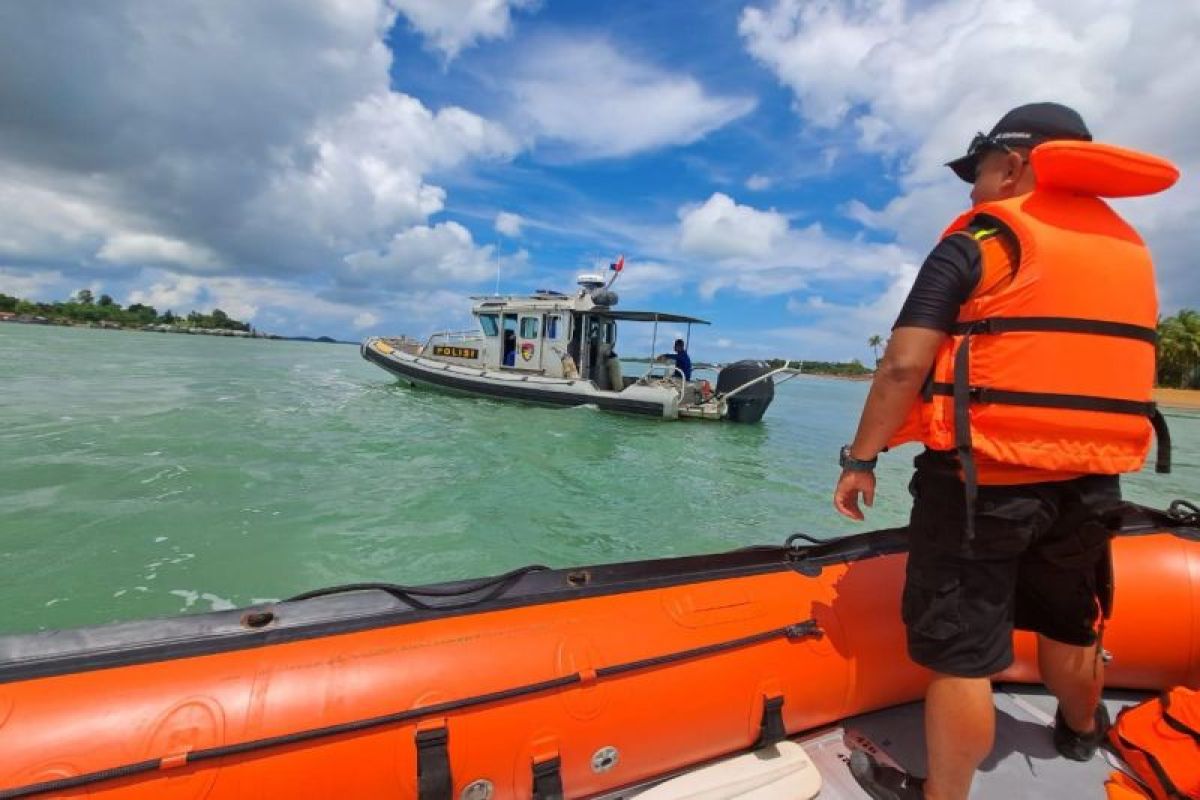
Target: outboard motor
x=750, y=403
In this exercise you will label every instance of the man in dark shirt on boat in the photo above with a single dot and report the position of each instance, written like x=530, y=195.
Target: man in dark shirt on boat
x=681, y=358
x=995, y=545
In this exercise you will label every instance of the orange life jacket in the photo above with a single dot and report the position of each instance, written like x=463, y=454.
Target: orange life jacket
x=1160, y=741
x=1055, y=368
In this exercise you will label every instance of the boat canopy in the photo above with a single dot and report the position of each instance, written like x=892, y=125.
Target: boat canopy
x=648, y=316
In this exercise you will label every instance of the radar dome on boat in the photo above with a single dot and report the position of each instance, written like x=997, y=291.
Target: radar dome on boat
x=590, y=280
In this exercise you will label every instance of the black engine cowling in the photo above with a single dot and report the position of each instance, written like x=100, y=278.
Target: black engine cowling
x=750, y=403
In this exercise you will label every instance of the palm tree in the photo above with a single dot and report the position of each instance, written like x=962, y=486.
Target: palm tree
x=1179, y=349
x=874, y=342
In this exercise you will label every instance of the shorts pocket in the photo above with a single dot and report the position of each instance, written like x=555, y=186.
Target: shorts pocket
x=932, y=603
x=1005, y=523
x=1078, y=546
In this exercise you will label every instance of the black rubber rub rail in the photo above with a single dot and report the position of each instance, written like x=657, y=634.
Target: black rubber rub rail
x=800, y=630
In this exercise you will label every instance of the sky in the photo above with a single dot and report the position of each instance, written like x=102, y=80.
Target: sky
x=361, y=167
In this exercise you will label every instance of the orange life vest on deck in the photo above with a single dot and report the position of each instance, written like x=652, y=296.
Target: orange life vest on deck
x=1160, y=741
x=1054, y=369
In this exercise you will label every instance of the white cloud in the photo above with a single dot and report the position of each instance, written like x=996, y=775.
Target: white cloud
x=641, y=279
x=272, y=305
x=916, y=80
x=148, y=249
x=453, y=25
x=44, y=218
x=422, y=256
x=178, y=293
x=760, y=253
x=831, y=330
x=36, y=285
x=720, y=228
x=267, y=141
x=600, y=102
x=509, y=224
x=367, y=176
x=756, y=183
x=364, y=320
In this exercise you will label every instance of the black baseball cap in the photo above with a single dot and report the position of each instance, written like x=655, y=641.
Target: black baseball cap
x=1025, y=126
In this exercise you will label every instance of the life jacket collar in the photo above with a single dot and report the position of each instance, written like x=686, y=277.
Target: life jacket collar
x=1098, y=169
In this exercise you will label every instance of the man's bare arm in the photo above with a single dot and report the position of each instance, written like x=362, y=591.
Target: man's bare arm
x=907, y=361
x=902, y=371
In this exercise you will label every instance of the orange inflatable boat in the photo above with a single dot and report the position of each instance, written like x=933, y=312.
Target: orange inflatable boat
x=538, y=683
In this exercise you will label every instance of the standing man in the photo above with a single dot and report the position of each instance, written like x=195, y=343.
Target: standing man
x=681, y=359
x=1003, y=362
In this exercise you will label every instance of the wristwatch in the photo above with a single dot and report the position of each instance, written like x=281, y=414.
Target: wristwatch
x=847, y=461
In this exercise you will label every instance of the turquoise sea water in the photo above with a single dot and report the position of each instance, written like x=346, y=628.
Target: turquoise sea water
x=147, y=474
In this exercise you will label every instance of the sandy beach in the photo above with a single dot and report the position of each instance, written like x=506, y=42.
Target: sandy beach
x=1177, y=398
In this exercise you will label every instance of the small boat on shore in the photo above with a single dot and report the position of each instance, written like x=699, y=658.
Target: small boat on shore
x=741, y=674
x=556, y=349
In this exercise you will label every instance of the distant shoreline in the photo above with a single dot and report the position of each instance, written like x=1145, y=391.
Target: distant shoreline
x=191, y=331
x=1177, y=398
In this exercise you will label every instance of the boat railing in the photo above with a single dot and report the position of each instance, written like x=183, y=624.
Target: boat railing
x=451, y=337
x=669, y=371
x=760, y=379
x=405, y=344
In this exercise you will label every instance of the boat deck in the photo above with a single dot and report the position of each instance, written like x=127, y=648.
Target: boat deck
x=1023, y=764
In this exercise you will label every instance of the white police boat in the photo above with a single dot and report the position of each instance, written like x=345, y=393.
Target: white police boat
x=557, y=349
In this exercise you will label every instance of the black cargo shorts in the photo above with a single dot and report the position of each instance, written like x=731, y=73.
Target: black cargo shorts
x=1039, y=561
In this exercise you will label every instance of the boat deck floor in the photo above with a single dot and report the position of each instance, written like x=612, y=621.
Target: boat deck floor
x=1023, y=764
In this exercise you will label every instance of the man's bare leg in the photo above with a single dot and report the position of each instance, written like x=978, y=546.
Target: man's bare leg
x=1074, y=675
x=960, y=726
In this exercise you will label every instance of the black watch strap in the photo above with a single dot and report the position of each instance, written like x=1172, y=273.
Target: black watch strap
x=847, y=461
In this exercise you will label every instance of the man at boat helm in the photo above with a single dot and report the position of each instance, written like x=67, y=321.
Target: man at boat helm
x=1023, y=358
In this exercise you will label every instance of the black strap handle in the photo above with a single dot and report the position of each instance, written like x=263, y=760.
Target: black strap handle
x=547, y=779
x=433, y=765
x=771, y=730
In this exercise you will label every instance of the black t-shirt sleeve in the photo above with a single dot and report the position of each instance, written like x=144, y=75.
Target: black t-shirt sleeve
x=945, y=281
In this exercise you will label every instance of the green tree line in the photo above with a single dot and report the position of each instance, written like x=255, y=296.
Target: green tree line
x=853, y=368
x=1179, y=350
x=85, y=307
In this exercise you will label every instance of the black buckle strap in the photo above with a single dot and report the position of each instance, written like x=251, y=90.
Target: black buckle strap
x=962, y=432
x=547, y=779
x=771, y=730
x=1095, y=327
x=1071, y=402
x=433, y=765
x=1162, y=462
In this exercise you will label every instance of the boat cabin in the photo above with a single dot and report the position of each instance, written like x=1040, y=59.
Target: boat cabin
x=549, y=333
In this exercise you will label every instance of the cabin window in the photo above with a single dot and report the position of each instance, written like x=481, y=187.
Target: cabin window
x=529, y=327
x=610, y=332
x=489, y=324
x=551, y=326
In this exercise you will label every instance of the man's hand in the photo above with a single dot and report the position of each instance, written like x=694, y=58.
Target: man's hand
x=849, y=487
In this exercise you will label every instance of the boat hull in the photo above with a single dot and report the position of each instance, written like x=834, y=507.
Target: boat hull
x=659, y=665
x=561, y=392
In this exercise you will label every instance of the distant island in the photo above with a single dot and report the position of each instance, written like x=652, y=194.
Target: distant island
x=86, y=310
